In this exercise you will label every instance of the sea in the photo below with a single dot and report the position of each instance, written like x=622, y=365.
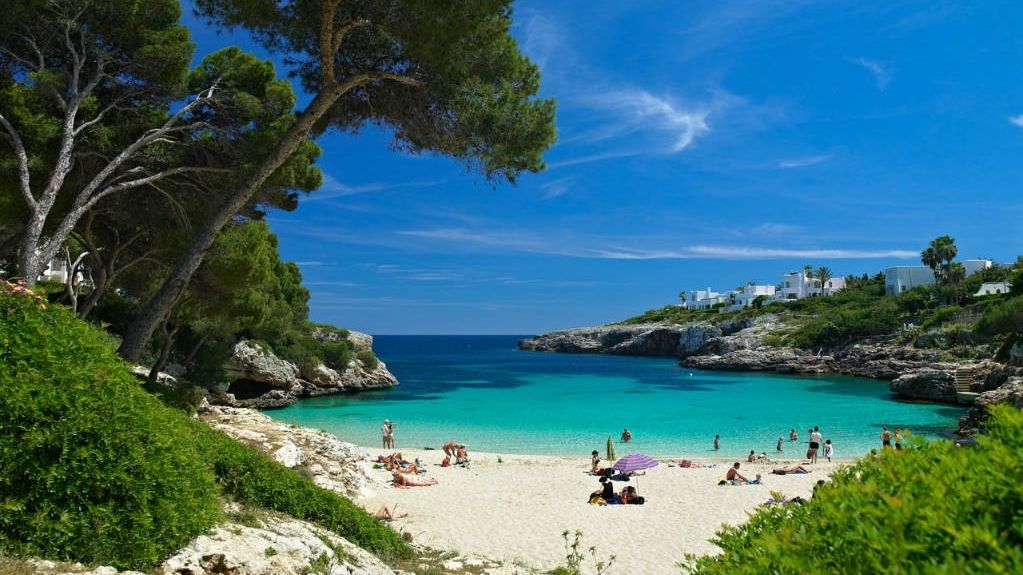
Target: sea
x=484, y=392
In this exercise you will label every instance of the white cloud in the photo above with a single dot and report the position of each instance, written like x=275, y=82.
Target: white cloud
x=749, y=253
x=334, y=188
x=1016, y=120
x=881, y=72
x=638, y=111
x=803, y=162
x=773, y=229
x=530, y=242
x=556, y=188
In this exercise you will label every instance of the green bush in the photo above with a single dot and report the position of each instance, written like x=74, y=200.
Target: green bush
x=254, y=479
x=369, y=359
x=933, y=508
x=1004, y=317
x=93, y=468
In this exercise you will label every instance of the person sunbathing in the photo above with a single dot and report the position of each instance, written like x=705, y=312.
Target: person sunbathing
x=387, y=515
x=630, y=497
x=461, y=456
x=412, y=480
x=787, y=470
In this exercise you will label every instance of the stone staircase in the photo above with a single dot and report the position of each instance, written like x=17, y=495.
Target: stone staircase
x=964, y=380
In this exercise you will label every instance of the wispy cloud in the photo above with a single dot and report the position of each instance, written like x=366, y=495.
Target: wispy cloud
x=882, y=72
x=1016, y=120
x=599, y=157
x=773, y=229
x=334, y=188
x=638, y=111
x=556, y=188
x=748, y=253
x=803, y=162
x=592, y=248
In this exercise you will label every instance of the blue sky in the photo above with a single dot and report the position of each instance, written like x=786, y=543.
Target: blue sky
x=700, y=144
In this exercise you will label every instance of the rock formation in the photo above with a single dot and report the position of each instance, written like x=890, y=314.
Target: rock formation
x=1011, y=393
x=257, y=378
x=330, y=463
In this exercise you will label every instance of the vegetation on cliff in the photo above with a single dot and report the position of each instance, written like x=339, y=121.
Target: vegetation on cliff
x=97, y=470
x=943, y=316
x=934, y=508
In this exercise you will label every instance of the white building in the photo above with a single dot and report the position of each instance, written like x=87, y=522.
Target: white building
x=56, y=271
x=834, y=285
x=744, y=296
x=705, y=299
x=991, y=288
x=901, y=279
x=973, y=266
x=795, y=285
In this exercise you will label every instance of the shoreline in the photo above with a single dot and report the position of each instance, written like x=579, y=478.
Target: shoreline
x=515, y=511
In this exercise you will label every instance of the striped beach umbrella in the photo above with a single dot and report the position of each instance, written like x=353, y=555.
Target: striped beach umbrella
x=634, y=462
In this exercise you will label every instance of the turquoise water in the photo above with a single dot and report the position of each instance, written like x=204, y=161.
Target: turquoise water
x=483, y=392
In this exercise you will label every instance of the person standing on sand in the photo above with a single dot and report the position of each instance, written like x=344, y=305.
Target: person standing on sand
x=828, y=450
x=886, y=438
x=387, y=434
x=898, y=440
x=781, y=441
x=626, y=435
x=815, y=443
x=717, y=442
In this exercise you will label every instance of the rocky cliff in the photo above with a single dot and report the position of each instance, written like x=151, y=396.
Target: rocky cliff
x=258, y=378
x=739, y=346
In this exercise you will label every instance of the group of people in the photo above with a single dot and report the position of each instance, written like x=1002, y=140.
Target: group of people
x=817, y=444
x=886, y=439
x=734, y=477
x=405, y=473
x=606, y=494
x=456, y=450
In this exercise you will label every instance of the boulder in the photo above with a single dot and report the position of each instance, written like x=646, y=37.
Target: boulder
x=249, y=361
x=274, y=546
x=1009, y=394
x=162, y=378
x=928, y=384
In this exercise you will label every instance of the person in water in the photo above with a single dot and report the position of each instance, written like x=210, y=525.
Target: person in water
x=717, y=442
x=626, y=435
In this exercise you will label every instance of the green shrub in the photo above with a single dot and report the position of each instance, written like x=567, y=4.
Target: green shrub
x=933, y=508
x=252, y=478
x=369, y=359
x=93, y=468
x=1004, y=317
x=940, y=316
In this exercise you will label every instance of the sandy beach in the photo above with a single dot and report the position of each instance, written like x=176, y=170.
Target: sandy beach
x=516, y=511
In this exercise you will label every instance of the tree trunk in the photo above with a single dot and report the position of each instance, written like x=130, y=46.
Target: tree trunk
x=168, y=342
x=30, y=264
x=159, y=305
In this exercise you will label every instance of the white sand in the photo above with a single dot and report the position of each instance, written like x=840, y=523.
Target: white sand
x=515, y=511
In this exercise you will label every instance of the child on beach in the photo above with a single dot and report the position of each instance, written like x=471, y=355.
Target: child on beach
x=828, y=450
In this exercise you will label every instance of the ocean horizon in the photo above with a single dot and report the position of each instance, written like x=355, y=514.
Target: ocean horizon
x=482, y=391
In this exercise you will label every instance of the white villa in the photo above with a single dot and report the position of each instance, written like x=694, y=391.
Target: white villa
x=992, y=288
x=900, y=279
x=793, y=286
x=796, y=285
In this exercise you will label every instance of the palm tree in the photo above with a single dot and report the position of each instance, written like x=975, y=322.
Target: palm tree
x=940, y=253
x=682, y=296
x=930, y=258
x=823, y=274
x=808, y=273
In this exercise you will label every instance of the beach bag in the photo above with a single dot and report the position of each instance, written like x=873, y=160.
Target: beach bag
x=809, y=453
x=597, y=500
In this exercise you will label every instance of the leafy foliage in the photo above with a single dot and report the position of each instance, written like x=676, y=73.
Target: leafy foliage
x=368, y=358
x=933, y=508
x=1001, y=318
x=94, y=468
x=253, y=478
x=97, y=470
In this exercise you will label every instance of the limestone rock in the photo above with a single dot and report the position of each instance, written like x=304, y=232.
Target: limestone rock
x=641, y=339
x=929, y=384
x=277, y=546
x=249, y=361
x=1009, y=394
x=162, y=378
x=359, y=341
x=330, y=463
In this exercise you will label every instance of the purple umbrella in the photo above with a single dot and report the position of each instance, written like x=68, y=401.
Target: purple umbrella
x=634, y=462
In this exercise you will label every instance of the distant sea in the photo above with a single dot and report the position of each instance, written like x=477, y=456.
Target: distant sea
x=482, y=391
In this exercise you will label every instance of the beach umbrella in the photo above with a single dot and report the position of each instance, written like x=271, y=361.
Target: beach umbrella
x=610, y=449
x=634, y=462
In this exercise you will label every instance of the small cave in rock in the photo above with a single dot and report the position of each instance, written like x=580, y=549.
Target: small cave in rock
x=248, y=388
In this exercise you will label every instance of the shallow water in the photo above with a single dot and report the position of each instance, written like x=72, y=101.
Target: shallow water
x=482, y=391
